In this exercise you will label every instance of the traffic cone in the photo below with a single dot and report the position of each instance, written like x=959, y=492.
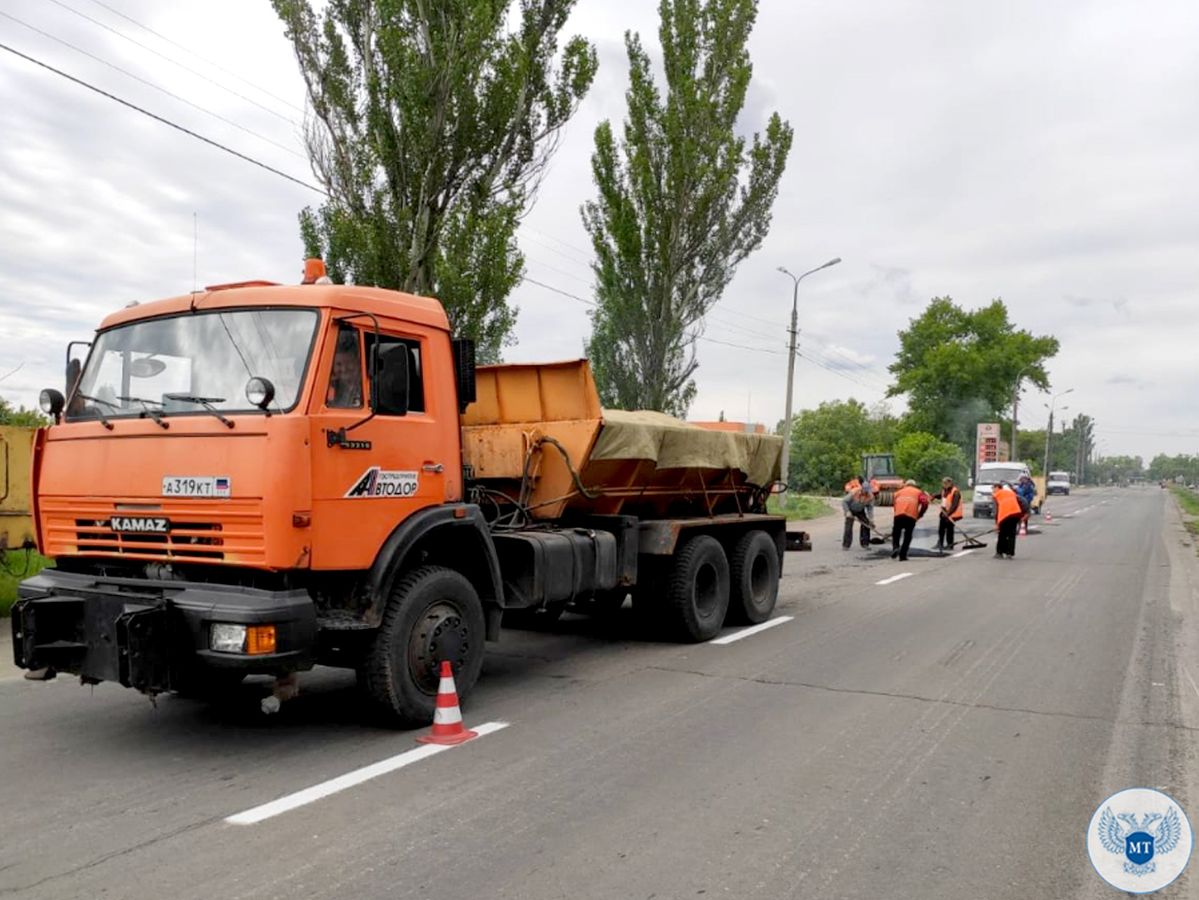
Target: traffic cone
x=447, y=718
x=1023, y=529
x=1048, y=517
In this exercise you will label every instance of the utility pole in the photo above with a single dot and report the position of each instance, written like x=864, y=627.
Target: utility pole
x=791, y=357
x=1049, y=430
x=1012, y=455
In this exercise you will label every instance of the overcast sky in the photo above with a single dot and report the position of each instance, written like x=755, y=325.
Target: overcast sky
x=1044, y=153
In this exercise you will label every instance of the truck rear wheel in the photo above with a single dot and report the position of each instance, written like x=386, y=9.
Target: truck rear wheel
x=754, y=579
x=433, y=614
x=698, y=594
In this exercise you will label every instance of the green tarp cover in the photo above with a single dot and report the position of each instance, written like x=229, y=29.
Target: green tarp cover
x=674, y=444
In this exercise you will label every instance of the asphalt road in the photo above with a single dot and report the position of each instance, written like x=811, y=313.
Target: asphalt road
x=946, y=735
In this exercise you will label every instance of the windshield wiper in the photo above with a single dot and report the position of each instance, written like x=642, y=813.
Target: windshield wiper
x=205, y=402
x=148, y=410
x=99, y=415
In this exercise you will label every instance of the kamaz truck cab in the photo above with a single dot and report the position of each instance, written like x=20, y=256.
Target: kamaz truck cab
x=211, y=492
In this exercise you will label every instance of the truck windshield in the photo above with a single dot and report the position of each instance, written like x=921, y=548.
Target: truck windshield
x=149, y=365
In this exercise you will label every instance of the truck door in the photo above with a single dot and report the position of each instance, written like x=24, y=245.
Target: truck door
x=383, y=467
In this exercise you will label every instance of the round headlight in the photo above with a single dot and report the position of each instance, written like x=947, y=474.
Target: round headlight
x=260, y=392
x=51, y=401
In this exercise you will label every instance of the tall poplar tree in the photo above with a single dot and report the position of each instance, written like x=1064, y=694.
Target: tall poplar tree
x=682, y=200
x=432, y=122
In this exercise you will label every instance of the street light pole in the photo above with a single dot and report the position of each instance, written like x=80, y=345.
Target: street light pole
x=1049, y=430
x=791, y=357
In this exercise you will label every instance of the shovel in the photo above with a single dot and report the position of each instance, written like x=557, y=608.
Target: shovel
x=971, y=541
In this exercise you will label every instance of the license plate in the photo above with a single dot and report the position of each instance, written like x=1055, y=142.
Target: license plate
x=195, y=486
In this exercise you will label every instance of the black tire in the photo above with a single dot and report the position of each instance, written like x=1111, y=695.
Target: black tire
x=433, y=613
x=697, y=598
x=753, y=579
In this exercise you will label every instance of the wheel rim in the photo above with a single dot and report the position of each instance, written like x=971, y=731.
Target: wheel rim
x=759, y=578
x=441, y=633
x=707, y=591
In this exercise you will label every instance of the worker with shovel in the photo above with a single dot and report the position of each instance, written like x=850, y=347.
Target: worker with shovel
x=951, y=512
x=1009, y=510
x=858, y=505
x=910, y=505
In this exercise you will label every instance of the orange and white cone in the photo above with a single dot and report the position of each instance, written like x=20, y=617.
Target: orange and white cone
x=447, y=718
x=1048, y=517
x=1024, y=529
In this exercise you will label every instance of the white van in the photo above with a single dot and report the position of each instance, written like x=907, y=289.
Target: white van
x=989, y=475
x=1058, y=483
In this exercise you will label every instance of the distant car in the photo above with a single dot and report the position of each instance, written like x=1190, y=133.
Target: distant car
x=1059, y=483
x=989, y=475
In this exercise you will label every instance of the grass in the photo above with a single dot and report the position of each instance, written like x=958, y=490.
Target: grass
x=14, y=567
x=799, y=506
x=1188, y=502
x=1187, y=499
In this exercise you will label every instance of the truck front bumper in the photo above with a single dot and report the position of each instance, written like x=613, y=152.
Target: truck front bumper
x=150, y=635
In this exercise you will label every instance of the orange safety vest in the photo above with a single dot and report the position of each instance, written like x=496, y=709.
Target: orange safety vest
x=1006, y=504
x=947, y=501
x=907, y=502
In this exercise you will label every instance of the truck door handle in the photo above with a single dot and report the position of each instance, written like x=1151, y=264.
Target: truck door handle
x=434, y=468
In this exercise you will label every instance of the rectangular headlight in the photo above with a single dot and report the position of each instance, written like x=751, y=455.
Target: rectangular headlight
x=227, y=638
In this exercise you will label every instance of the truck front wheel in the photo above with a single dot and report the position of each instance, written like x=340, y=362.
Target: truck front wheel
x=754, y=573
x=698, y=596
x=433, y=614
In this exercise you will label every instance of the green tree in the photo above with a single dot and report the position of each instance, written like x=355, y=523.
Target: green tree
x=1117, y=469
x=28, y=418
x=431, y=125
x=959, y=367
x=926, y=459
x=827, y=443
x=682, y=200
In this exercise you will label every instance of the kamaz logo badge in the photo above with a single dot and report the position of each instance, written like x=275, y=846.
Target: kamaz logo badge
x=140, y=524
x=376, y=482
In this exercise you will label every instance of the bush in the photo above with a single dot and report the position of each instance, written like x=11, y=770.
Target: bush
x=927, y=459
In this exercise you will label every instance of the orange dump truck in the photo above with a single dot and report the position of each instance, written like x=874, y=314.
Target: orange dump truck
x=257, y=478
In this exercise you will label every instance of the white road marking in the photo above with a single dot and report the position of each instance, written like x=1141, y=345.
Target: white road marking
x=349, y=780
x=962, y=553
x=747, y=632
x=894, y=578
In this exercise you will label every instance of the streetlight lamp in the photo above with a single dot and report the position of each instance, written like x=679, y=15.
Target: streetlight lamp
x=1049, y=431
x=791, y=357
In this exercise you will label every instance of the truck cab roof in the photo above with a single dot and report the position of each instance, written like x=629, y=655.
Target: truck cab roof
x=379, y=302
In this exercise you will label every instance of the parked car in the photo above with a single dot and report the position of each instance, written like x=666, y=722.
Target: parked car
x=989, y=475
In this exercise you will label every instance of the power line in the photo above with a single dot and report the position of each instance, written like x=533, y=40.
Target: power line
x=188, y=50
x=151, y=84
x=701, y=337
x=173, y=61
x=168, y=122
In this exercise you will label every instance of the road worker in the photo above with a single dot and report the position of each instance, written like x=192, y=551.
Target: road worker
x=858, y=505
x=951, y=512
x=1008, y=513
x=910, y=504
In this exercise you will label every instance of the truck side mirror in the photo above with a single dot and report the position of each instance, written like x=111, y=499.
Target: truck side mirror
x=389, y=381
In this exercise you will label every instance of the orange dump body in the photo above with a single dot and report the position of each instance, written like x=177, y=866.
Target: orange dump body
x=535, y=427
